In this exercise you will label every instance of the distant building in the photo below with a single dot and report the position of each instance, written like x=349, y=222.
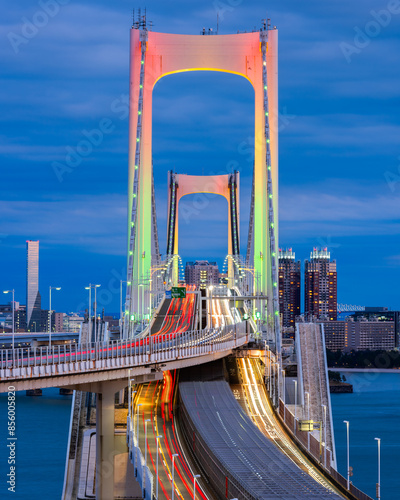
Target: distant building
x=359, y=335
x=289, y=288
x=33, y=301
x=6, y=316
x=381, y=314
x=201, y=273
x=113, y=323
x=320, y=286
x=72, y=322
x=20, y=318
x=56, y=321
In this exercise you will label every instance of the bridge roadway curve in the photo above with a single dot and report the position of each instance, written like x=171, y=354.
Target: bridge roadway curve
x=250, y=465
x=72, y=366
x=156, y=400
x=176, y=315
x=252, y=396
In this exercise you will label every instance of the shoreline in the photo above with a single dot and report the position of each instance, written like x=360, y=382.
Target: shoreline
x=365, y=370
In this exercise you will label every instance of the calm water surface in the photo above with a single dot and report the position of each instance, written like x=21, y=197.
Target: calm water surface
x=373, y=410
x=42, y=432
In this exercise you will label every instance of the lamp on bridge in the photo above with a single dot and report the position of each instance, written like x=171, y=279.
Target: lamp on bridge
x=194, y=485
x=173, y=471
x=13, y=305
x=378, y=484
x=137, y=439
x=145, y=455
x=121, y=313
x=308, y=417
x=90, y=309
x=50, y=289
x=324, y=410
x=348, y=453
x=158, y=447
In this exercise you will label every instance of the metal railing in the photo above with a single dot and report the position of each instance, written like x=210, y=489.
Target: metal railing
x=316, y=450
x=23, y=363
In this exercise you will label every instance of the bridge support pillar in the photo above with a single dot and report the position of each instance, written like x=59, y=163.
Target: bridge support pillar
x=105, y=431
x=105, y=448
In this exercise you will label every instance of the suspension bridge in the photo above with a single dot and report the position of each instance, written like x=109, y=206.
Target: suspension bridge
x=239, y=415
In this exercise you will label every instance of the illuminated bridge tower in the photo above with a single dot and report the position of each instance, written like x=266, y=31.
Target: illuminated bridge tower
x=250, y=55
x=181, y=185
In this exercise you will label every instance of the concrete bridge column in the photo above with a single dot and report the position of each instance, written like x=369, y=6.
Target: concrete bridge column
x=105, y=431
x=105, y=448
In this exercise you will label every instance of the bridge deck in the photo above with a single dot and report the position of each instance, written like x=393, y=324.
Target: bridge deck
x=244, y=455
x=312, y=350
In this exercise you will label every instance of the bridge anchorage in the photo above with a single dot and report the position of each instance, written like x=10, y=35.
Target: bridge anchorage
x=162, y=334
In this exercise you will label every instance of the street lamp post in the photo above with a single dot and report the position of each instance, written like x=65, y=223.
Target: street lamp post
x=13, y=320
x=308, y=417
x=348, y=453
x=265, y=362
x=145, y=456
x=295, y=405
x=158, y=447
x=50, y=289
x=284, y=394
x=121, y=313
x=378, y=485
x=137, y=440
x=194, y=485
x=120, y=308
x=95, y=312
x=140, y=304
x=269, y=374
x=324, y=408
x=277, y=383
x=173, y=471
x=89, y=311
x=211, y=305
x=130, y=392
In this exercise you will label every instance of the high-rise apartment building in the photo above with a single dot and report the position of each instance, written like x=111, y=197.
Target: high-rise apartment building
x=289, y=288
x=359, y=335
x=320, y=286
x=33, y=302
x=201, y=273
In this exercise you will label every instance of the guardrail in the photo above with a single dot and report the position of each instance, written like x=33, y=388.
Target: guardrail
x=23, y=363
x=317, y=451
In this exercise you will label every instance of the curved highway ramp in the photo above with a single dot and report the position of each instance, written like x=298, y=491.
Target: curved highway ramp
x=238, y=459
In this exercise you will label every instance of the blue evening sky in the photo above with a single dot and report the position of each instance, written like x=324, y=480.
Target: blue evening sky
x=339, y=89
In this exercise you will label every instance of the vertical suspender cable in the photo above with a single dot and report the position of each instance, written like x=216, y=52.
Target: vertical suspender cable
x=155, y=229
x=250, y=239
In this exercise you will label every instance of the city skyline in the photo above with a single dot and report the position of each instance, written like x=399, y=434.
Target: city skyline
x=343, y=196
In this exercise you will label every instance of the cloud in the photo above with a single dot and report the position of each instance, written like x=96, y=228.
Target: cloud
x=92, y=222
x=320, y=210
